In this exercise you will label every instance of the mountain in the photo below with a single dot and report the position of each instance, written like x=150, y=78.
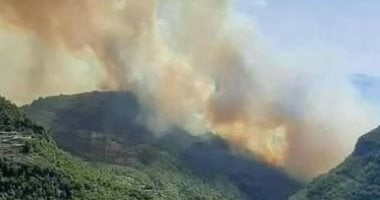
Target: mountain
x=33, y=167
x=108, y=127
x=369, y=87
x=357, y=178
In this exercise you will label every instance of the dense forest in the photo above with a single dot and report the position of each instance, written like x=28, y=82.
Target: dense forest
x=33, y=167
x=110, y=128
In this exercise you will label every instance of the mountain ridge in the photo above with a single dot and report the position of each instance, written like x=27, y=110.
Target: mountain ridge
x=208, y=157
x=37, y=169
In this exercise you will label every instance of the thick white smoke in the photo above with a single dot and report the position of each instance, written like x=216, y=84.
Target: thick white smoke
x=190, y=68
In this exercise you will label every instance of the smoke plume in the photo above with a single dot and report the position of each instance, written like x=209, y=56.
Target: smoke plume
x=189, y=67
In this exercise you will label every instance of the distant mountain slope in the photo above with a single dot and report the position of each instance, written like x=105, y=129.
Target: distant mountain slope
x=32, y=167
x=369, y=87
x=106, y=127
x=357, y=178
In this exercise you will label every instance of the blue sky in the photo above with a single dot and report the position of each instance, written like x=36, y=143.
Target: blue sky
x=340, y=34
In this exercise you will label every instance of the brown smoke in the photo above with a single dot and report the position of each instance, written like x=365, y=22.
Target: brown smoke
x=187, y=65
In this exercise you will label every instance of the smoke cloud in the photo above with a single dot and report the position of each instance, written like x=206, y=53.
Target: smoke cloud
x=189, y=67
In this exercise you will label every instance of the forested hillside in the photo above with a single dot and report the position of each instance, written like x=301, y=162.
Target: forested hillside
x=109, y=127
x=357, y=178
x=32, y=167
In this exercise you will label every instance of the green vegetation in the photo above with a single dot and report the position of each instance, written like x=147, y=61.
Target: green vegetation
x=357, y=178
x=108, y=127
x=38, y=169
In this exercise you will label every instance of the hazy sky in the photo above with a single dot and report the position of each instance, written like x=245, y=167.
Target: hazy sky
x=336, y=34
